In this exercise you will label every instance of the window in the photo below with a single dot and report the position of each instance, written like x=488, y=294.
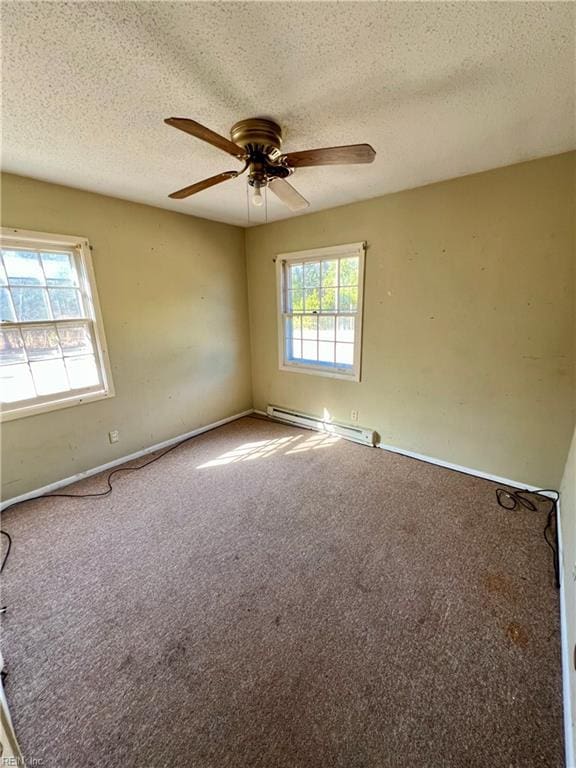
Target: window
x=320, y=302
x=52, y=346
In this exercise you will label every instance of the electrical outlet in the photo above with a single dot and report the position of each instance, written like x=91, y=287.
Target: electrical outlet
x=354, y=416
x=114, y=436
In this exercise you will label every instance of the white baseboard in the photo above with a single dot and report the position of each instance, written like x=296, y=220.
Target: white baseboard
x=569, y=744
x=122, y=460
x=459, y=468
x=432, y=460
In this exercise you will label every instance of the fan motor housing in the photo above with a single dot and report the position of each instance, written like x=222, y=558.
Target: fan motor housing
x=257, y=132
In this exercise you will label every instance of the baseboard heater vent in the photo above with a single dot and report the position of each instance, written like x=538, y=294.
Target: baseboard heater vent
x=357, y=434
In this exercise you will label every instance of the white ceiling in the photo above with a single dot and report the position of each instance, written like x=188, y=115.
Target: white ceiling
x=439, y=90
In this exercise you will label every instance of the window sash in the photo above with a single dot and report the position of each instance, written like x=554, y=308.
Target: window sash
x=57, y=399
x=66, y=356
x=288, y=342
x=78, y=286
x=335, y=342
x=95, y=358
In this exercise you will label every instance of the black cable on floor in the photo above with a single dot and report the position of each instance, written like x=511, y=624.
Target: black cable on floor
x=506, y=498
x=8, y=548
x=4, y=559
x=101, y=494
x=512, y=500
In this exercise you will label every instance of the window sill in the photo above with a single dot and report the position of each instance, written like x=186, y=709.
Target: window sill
x=329, y=373
x=54, y=405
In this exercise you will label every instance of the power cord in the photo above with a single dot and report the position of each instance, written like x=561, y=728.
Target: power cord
x=4, y=559
x=101, y=494
x=512, y=500
x=8, y=548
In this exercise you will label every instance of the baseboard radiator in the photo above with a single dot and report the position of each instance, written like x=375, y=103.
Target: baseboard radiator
x=356, y=434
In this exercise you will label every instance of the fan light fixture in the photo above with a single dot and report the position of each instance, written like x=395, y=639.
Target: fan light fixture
x=257, y=198
x=256, y=142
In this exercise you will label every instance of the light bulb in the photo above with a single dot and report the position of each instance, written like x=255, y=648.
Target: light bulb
x=257, y=198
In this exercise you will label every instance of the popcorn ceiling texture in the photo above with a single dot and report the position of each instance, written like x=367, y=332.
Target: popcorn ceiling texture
x=439, y=89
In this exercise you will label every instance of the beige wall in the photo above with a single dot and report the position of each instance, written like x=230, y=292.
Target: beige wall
x=568, y=524
x=568, y=518
x=468, y=349
x=173, y=295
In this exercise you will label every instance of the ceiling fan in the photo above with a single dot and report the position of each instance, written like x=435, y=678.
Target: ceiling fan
x=256, y=142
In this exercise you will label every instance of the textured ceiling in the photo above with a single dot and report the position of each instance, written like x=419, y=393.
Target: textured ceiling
x=439, y=89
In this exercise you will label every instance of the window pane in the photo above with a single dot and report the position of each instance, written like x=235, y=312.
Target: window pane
x=326, y=328
x=295, y=351
x=66, y=303
x=23, y=268
x=310, y=335
x=310, y=327
x=3, y=278
x=31, y=303
x=312, y=274
x=294, y=327
x=312, y=300
x=296, y=276
x=50, y=376
x=16, y=383
x=11, y=347
x=82, y=371
x=328, y=299
x=59, y=269
x=41, y=343
x=348, y=299
x=6, y=308
x=349, y=271
x=295, y=301
x=310, y=350
x=345, y=354
x=345, y=329
x=326, y=351
x=75, y=340
x=329, y=273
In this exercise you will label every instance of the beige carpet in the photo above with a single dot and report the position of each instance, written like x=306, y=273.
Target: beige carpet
x=265, y=596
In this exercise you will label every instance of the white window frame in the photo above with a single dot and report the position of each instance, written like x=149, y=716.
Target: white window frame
x=30, y=240
x=333, y=251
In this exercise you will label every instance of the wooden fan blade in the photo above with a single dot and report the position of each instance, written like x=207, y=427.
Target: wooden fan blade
x=287, y=194
x=349, y=155
x=200, y=185
x=201, y=132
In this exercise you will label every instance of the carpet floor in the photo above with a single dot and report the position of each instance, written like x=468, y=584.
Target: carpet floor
x=270, y=597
